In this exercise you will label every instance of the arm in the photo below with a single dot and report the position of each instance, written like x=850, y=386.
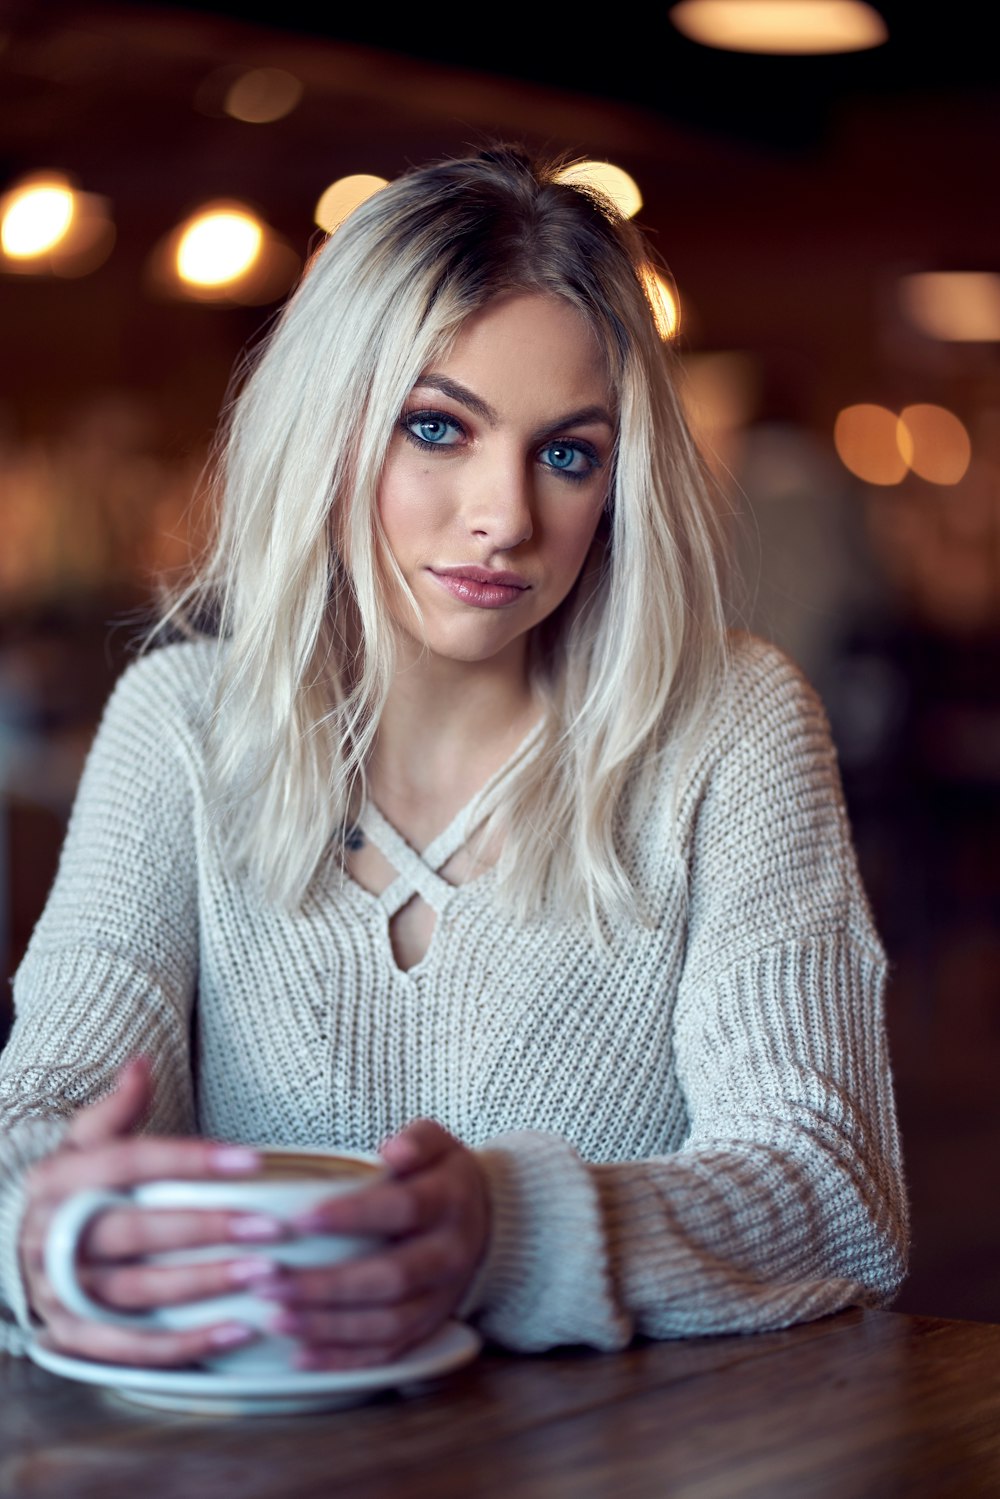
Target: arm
x=111, y=968
x=785, y=1201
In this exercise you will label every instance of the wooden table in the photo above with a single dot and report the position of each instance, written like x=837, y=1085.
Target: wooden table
x=863, y=1404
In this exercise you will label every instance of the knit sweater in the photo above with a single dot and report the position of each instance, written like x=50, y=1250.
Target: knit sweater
x=689, y=1130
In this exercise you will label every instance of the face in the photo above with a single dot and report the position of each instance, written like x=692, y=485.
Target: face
x=496, y=477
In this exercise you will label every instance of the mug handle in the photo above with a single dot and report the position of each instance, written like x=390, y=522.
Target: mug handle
x=68, y=1225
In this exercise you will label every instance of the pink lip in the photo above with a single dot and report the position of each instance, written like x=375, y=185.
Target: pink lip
x=481, y=575
x=480, y=587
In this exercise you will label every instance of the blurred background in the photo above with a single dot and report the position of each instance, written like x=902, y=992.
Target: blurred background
x=829, y=228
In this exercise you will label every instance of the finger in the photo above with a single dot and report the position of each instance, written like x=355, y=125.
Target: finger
x=120, y=1112
x=387, y=1209
x=356, y=1327
x=120, y=1345
x=424, y=1320
x=123, y=1163
x=415, y=1265
x=419, y=1145
x=132, y=1233
x=140, y=1287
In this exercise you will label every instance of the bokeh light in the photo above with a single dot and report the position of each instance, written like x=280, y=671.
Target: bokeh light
x=609, y=179
x=36, y=216
x=664, y=301
x=958, y=306
x=781, y=26
x=872, y=444
x=342, y=197
x=937, y=442
x=218, y=246
x=262, y=95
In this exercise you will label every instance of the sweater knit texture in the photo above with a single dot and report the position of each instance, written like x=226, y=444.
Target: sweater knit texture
x=689, y=1131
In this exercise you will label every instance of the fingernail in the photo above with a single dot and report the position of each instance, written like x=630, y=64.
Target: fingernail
x=231, y=1334
x=243, y=1272
x=234, y=1159
x=256, y=1226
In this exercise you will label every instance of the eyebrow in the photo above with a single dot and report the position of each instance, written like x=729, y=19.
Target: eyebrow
x=583, y=416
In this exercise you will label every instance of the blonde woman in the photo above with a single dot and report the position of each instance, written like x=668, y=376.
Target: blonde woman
x=465, y=833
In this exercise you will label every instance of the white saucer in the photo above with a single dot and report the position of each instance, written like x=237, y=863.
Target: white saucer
x=204, y=1393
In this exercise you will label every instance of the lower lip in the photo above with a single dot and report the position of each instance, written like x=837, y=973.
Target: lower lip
x=480, y=595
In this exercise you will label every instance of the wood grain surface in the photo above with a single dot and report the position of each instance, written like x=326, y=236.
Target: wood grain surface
x=864, y=1404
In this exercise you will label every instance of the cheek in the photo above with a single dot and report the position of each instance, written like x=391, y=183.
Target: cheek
x=570, y=536
x=409, y=503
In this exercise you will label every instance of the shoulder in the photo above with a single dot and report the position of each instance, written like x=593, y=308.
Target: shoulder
x=765, y=711
x=175, y=682
x=760, y=681
x=164, y=700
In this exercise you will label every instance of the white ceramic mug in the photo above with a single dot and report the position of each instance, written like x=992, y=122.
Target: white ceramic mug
x=289, y=1182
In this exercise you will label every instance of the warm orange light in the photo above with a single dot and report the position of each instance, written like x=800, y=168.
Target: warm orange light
x=938, y=444
x=664, y=302
x=960, y=306
x=342, y=197
x=48, y=227
x=781, y=26
x=614, y=182
x=36, y=217
x=871, y=443
x=218, y=246
x=262, y=95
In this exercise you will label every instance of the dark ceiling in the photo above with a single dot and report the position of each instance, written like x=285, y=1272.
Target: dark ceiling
x=787, y=104
x=787, y=194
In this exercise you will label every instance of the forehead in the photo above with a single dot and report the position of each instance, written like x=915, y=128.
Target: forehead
x=528, y=342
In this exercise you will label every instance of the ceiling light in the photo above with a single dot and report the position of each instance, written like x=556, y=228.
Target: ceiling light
x=664, y=302
x=342, y=197
x=872, y=444
x=939, y=446
x=218, y=246
x=781, y=26
x=35, y=216
x=614, y=182
x=959, y=306
x=262, y=95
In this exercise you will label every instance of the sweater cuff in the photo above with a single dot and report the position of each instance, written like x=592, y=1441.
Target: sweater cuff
x=21, y=1146
x=544, y=1280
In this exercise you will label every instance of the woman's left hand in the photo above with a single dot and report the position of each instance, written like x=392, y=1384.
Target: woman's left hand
x=434, y=1213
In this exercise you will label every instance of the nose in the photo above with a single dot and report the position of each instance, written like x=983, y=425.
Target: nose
x=500, y=501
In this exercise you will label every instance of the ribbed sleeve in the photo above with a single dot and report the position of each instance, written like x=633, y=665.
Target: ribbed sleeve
x=110, y=970
x=784, y=1200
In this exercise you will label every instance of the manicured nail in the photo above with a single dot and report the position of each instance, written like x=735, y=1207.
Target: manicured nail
x=231, y=1335
x=244, y=1272
x=234, y=1159
x=256, y=1227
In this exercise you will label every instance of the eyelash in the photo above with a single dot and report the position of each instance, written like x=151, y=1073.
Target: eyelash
x=410, y=419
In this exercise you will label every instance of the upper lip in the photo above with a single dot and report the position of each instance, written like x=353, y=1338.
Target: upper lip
x=482, y=575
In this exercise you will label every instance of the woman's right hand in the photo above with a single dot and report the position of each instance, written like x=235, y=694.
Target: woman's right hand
x=103, y=1149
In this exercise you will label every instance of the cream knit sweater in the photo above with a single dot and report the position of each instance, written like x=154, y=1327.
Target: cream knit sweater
x=689, y=1132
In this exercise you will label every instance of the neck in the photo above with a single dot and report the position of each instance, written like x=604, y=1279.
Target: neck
x=451, y=724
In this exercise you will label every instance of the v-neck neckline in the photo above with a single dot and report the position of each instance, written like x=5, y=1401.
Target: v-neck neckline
x=451, y=838
x=417, y=870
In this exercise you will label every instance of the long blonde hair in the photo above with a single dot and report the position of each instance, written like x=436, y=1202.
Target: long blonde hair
x=625, y=666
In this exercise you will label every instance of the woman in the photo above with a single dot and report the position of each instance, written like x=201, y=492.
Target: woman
x=468, y=832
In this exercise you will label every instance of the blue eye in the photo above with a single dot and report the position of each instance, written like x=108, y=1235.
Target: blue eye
x=432, y=429
x=570, y=458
